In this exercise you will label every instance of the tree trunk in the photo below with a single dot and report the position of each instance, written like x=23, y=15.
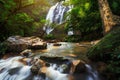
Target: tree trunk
x=108, y=19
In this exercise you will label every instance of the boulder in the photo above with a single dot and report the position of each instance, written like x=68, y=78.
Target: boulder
x=56, y=44
x=78, y=67
x=55, y=59
x=34, y=69
x=18, y=43
x=68, y=65
x=38, y=45
x=26, y=53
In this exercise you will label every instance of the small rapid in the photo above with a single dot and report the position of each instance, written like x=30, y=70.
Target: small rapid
x=14, y=68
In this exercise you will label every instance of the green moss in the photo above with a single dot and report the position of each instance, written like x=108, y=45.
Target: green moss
x=72, y=38
x=106, y=47
x=49, y=37
x=108, y=51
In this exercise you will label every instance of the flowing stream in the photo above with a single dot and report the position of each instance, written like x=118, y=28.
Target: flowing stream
x=13, y=69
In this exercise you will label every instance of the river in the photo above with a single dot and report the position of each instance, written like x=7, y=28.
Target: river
x=13, y=69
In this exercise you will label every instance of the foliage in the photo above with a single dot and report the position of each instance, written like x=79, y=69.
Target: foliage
x=3, y=48
x=115, y=6
x=72, y=38
x=85, y=16
x=49, y=37
x=12, y=22
x=108, y=51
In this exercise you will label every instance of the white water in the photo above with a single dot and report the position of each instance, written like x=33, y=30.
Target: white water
x=94, y=73
x=12, y=69
x=55, y=16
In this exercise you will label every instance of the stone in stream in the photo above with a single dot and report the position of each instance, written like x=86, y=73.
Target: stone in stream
x=79, y=68
x=38, y=45
x=26, y=53
x=62, y=64
x=18, y=43
x=56, y=44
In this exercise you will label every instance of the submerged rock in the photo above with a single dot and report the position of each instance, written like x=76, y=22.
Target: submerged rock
x=26, y=53
x=62, y=64
x=18, y=43
x=56, y=44
x=34, y=69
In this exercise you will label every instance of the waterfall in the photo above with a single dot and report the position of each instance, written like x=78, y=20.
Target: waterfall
x=55, y=16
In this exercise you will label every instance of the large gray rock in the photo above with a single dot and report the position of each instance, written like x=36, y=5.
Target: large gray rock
x=18, y=43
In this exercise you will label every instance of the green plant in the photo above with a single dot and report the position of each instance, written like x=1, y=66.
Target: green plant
x=84, y=17
x=49, y=37
x=72, y=38
x=3, y=48
x=13, y=22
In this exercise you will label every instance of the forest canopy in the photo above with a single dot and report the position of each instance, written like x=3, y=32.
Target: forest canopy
x=23, y=17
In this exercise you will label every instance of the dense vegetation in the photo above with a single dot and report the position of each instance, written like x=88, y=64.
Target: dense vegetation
x=21, y=17
x=17, y=18
x=108, y=51
x=115, y=6
x=85, y=17
x=27, y=18
x=12, y=22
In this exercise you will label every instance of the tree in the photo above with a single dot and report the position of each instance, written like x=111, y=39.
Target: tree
x=108, y=18
x=85, y=18
x=13, y=22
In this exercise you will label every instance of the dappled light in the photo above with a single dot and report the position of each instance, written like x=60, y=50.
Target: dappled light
x=59, y=39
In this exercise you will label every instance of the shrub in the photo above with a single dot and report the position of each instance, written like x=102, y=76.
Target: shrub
x=72, y=38
x=3, y=48
x=49, y=37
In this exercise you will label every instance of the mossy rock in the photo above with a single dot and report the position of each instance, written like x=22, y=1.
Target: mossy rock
x=107, y=49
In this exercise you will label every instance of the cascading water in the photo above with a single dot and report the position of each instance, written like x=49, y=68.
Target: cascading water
x=13, y=69
x=55, y=16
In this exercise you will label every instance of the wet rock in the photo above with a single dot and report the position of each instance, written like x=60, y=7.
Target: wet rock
x=34, y=69
x=37, y=64
x=56, y=44
x=78, y=67
x=52, y=41
x=18, y=43
x=26, y=53
x=25, y=61
x=14, y=70
x=39, y=45
x=65, y=64
x=54, y=59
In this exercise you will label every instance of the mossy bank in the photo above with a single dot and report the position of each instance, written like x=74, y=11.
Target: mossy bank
x=108, y=51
